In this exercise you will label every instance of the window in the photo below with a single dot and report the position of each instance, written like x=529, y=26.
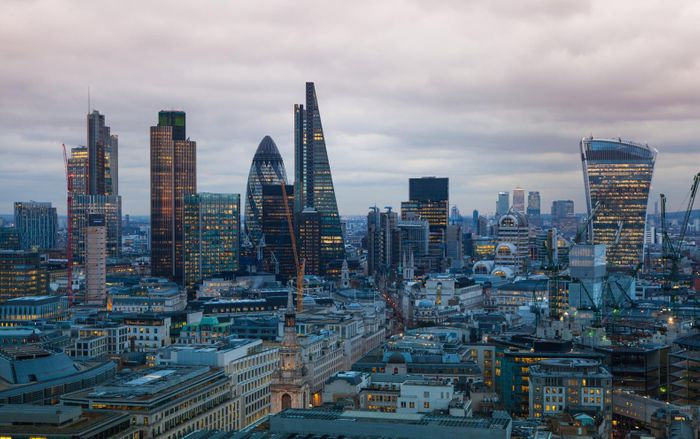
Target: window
x=426, y=405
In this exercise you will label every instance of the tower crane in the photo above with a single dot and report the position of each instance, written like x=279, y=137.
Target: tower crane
x=584, y=228
x=69, y=241
x=299, y=265
x=671, y=252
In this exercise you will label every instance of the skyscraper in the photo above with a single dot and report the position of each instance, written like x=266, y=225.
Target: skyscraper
x=107, y=205
x=36, y=223
x=533, y=203
x=212, y=228
x=173, y=175
x=618, y=173
x=383, y=241
x=313, y=183
x=96, y=136
x=503, y=203
x=429, y=200
x=563, y=217
x=310, y=240
x=519, y=199
x=267, y=168
x=96, y=260
x=278, y=253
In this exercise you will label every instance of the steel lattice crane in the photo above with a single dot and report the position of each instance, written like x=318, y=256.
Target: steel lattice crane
x=299, y=265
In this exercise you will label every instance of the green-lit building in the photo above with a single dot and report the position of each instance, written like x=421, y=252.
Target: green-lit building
x=211, y=235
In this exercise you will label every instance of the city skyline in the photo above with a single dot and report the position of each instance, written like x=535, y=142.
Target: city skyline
x=446, y=117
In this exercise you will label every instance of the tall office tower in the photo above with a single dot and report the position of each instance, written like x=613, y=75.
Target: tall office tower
x=278, y=253
x=513, y=247
x=78, y=170
x=519, y=199
x=96, y=260
x=37, y=224
x=533, y=203
x=107, y=205
x=96, y=152
x=564, y=218
x=211, y=229
x=267, y=168
x=383, y=241
x=21, y=274
x=313, y=183
x=475, y=222
x=503, y=203
x=429, y=200
x=173, y=175
x=454, y=246
x=618, y=174
x=310, y=240
x=415, y=236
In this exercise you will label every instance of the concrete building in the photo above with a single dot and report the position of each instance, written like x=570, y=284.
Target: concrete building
x=570, y=385
x=96, y=261
x=684, y=373
x=383, y=241
x=37, y=224
x=157, y=405
x=148, y=332
x=151, y=295
x=26, y=310
x=512, y=251
x=249, y=364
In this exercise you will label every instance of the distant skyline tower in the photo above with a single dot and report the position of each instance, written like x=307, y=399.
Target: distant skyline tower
x=267, y=168
x=37, y=224
x=533, y=203
x=313, y=183
x=96, y=260
x=519, y=199
x=173, y=175
x=212, y=229
x=618, y=173
x=503, y=203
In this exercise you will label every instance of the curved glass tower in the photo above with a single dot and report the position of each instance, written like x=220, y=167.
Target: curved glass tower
x=267, y=168
x=617, y=173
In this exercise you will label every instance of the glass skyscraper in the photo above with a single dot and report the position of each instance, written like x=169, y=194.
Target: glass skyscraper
x=173, y=175
x=37, y=224
x=212, y=226
x=267, y=168
x=617, y=173
x=313, y=184
x=429, y=200
x=278, y=253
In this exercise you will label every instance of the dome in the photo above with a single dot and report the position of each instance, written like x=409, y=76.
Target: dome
x=504, y=272
x=267, y=150
x=483, y=267
x=396, y=358
x=506, y=249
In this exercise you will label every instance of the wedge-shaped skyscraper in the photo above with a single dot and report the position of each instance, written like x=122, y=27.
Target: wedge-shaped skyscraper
x=617, y=174
x=313, y=182
x=267, y=169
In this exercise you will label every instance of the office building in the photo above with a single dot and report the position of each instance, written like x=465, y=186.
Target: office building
x=173, y=175
x=454, y=247
x=158, y=407
x=533, y=203
x=383, y=241
x=503, y=203
x=37, y=224
x=9, y=239
x=277, y=252
x=415, y=236
x=617, y=174
x=309, y=225
x=519, y=199
x=313, y=184
x=21, y=274
x=570, y=385
x=587, y=267
x=211, y=235
x=513, y=248
x=429, y=200
x=684, y=362
x=85, y=205
x=96, y=260
x=27, y=310
x=267, y=168
x=78, y=170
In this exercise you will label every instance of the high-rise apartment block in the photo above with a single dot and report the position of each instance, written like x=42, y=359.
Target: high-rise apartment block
x=617, y=173
x=37, y=224
x=313, y=184
x=96, y=260
x=211, y=234
x=173, y=175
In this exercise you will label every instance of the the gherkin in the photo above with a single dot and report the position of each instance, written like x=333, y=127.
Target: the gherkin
x=267, y=168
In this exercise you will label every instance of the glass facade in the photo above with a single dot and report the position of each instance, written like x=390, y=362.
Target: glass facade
x=37, y=224
x=267, y=168
x=314, y=181
x=211, y=229
x=429, y=200
x=278, y=254
x=173, y=175
x=21, y=274
x=618, y=173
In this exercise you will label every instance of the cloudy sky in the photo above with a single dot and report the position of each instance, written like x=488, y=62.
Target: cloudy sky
x=491, y=94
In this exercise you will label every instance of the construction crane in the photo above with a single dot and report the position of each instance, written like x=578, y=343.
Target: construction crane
x=671, y=252
x=299, y=265
x=586, y=224
x=69, y=211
